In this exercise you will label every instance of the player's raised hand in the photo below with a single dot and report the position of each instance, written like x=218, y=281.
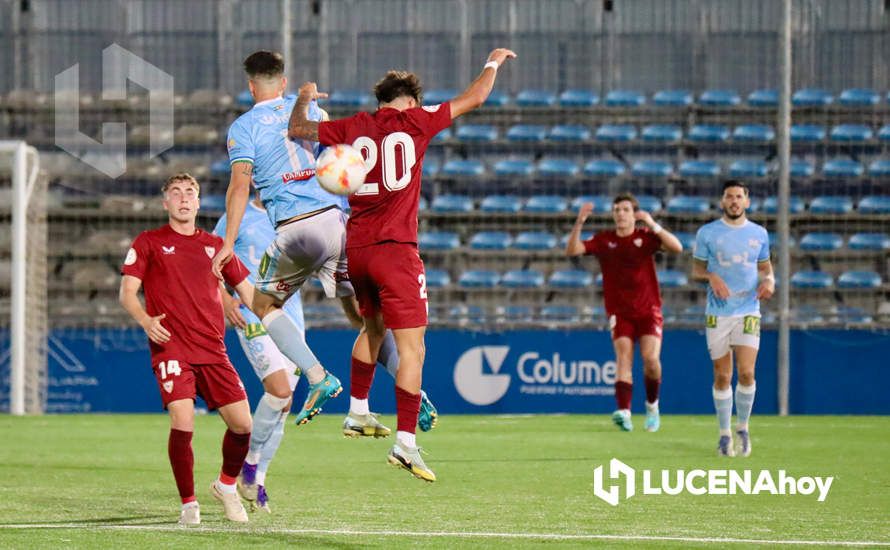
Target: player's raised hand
x=155, y=330
x=222, y=257
x=309, y=91
x=499, y=55
x=719, y=287
x=584, y=212
x=645, y=217
x=232, y=309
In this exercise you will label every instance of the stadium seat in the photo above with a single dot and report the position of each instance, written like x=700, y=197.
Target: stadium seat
x=811, y=97
x=570, y=132
x=859, y=279
x=694, y=313
x=771, y=205
x=545, y=204
x=477, y=133
x=527, y=133
x=649, y=203
x=604, y=168
x=437, y=278
x=879, y=168
x=557, y=168
x=463, y=168
x=107, y=241
x=875, y=204
x=851, y=133
x=323, y=312
x=684, y=204
x=349, y=98
x=516, y=313
x=423, y=205
x=821, y=242
x=514, y=167
x=244, y=99
x=812, y=280
x=652, y=169
x=806, y=314
x=438, y=240
x=204, y=98
x=801, y=169
x=431, y=167
x=748, y=168
x=444, y=135
x=452, y=203
x=859, y=97
x=220, y=168
x=671, y=278
x=755, y=205
x=501, y=203
x=672, y=98
x=708, y=133
x=616, y=133
x=577, y=202
x=831, y=205
x=849, y=314
x=625, y=98
x=571, y=278
x=884, y=133
x=213, y=202
x=467, y=313
x=807, y=133
x=869, y=241
x=719, y=98
x=841, y=168
x=564, y=313
x=662, y=133
x=436, y=96
x=534, y=240
x=578, y=98
x=497, y=98
x=699, y=169
x=687, y=239
x=774, y=241
x=564, y=240
x=754, y=133
x=491, y=240
x=479, y=278
x=535, y=98
x=522, y=278
x=764, y=98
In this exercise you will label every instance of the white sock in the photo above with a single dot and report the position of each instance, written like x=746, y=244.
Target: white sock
x=315, y=374
x=407, y=439
x=652, y=406
x=260, y=477
x=358, y=406
x=224, y=487
x=192, y=504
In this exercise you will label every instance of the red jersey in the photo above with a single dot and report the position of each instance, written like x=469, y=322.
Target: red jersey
x=630, y=287
x=177, y=280
x=393, y=143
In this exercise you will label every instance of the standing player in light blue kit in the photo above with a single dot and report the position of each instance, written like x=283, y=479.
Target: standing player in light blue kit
x=732, y=256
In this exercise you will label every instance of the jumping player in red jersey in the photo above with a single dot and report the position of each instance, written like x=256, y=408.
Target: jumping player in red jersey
x=631, y=296
x=183, y=319
x=381, y=235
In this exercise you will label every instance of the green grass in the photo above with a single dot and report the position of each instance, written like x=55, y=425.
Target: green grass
x=88, y=476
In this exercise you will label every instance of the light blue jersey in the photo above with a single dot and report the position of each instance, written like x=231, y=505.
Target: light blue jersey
x=254, y=236
x=283, y=169
x=732, y=252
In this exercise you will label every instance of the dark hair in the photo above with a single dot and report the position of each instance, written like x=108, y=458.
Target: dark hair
x=621, y=197
x=264, y=64
x=735, y=183
x=396, y=84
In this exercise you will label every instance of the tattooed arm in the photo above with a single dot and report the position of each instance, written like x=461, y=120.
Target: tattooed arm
x=299, y=126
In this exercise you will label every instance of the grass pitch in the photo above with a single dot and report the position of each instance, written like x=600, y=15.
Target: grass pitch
x=98, y=481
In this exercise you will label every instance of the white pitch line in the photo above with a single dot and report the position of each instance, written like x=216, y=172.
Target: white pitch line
x=437, y=534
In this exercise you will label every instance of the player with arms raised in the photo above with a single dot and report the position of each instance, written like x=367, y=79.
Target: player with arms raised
x=381, y=245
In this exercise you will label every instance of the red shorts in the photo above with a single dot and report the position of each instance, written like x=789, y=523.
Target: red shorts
x=217, y=383
x=388, y=278
x=635, y=327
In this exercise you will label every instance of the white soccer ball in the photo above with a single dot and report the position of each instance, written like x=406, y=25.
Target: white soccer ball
x=340, y=169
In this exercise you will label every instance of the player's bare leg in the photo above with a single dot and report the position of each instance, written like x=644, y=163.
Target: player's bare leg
x=745, y=357
x=361, y=422
x=182, y=458
x=624, y=359
x=234, y=448
x=650, y=350
x=723, y=402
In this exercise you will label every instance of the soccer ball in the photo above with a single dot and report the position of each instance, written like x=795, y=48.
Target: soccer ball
x=340, y=169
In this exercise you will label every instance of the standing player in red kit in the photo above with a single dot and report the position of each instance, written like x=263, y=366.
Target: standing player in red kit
x=381, y=235
x=631, y=295
x=183, y=318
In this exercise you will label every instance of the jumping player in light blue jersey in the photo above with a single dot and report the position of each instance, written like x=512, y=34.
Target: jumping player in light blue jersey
x=732, y=256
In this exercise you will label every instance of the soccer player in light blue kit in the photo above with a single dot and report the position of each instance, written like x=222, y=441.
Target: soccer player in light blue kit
x=732, y=256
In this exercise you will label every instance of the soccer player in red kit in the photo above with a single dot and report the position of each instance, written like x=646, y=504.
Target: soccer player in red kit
x=183, y=319
x=381, y=235
x=631, y=296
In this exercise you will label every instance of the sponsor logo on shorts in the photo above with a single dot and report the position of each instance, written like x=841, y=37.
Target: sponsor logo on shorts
x=711, y=321
x=341, y=276
x=751, y=325
x=253, y=330
x=264, y=265
x=282, y=287
x=168, y=386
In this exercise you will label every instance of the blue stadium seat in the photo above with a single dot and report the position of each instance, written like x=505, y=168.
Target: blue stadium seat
x=501, y=203
x=685, y=204
x=220, y=168
x=812, y=280
x=694, y=313
x=444, y=135
x=477, y=133
x=879, y=168
x=671, y=278
x=859, y=97
x=463, y=168
x=774, y=241
x=564, y=240
x=807, y=133
x=436, y=96
x=841, y=168
x=497, y=98
x=491, y=240
x=467, y=313
x=438, y=240
x=578, y=98
x=687, y=239
x=851, y=133
x=535, y=98
x=431, y=167
x=570, y=132
x=869, y=241
x=884, y=133
x=534, y=240
x=764, y=98
x=811, y=97
x=603, y=168
x=349, y=98
x=625, y=98
x=244, y=99
x=423, y=205
x=831, y=205
x=748, y=168
x=649, y=203
x=754, y=132
x=452, y=203
x=652, y=169
x=598, y=280
x=545, y=204
x=479, y=278
x=602, y=204
x=564, y=313
x=516, y=313
x=557, y=168
x=523, y=278
x=771, y=205
x=875, y=204
x=700, y=169
x=672, y=98
x=527, y=133
x=514, y=167
x=806, y=313
x=708, y=133
x=849, y=314
x=437, y=278
x=213, y=202
x=571, y=278
x=662, y=133
x=616, y=132
x=801, y=169
x=322, y=312
x=719, y=98
x=821, y=242
x=859, y=279
x=755, y=205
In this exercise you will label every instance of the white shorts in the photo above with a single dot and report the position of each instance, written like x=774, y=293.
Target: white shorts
x=722, y=333
x=311, y=246
x=264, y=355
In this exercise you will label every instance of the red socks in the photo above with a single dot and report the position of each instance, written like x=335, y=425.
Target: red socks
x=234, y=449
x=182, y=460
x=407, y=409
x=652, y=387
x=623, y=393
x=360, y=379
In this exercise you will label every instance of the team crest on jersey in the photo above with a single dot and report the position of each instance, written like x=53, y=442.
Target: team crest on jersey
x=432, y=108
x=211, y=252
x=168, y=249
x=131, y=257
x=168, y=386
x=231, y=143
x=638, y=242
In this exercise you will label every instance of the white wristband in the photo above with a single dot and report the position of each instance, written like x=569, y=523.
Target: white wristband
x=656, y=229
x=491, y=64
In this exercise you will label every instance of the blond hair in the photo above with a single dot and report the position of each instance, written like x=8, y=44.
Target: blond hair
x=182, y=176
